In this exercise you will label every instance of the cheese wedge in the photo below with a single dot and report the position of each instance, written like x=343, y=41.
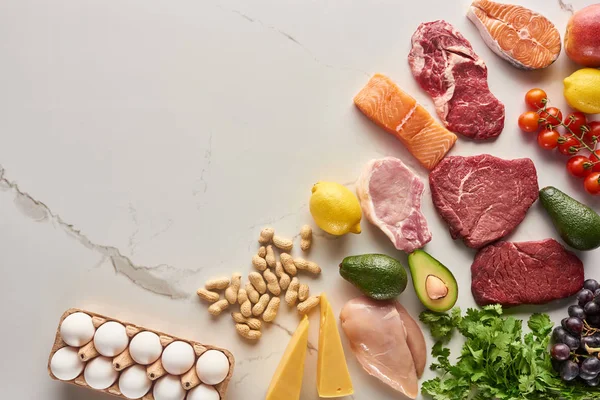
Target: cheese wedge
x=333, y=378
x=287, y=380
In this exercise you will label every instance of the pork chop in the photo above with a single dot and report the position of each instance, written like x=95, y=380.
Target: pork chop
x=483, y=198
x=390, y=196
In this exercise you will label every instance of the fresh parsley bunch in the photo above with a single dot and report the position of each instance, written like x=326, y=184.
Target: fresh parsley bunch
x=496, y=361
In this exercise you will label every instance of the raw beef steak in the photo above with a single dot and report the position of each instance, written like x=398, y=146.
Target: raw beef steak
x=483, y=198
x=525, y=273
x=447, y=68
x=390, y=196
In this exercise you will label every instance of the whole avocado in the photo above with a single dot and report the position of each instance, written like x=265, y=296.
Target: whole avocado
x=577, y=224
x=378, y=276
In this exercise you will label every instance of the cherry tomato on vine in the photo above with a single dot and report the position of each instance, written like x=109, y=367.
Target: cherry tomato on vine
x=594, y=130
x=535, y=99
x=575, y=121
x=592, y=183
x=579, y=166
x=548, y=139
x=552, y=115
x=570, y=145
x=529, y=121
x=595, y=158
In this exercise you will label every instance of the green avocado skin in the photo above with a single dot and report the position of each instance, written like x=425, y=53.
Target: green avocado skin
x=378, y=276
x=577, y=224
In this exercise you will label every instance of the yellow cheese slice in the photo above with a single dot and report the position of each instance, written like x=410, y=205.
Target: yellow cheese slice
x=333, y=378
x=287, y=380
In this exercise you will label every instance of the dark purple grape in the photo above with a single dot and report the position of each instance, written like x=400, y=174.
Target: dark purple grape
x=593, y=382
x=584, y=296
x=563, y=322
x=569, y=370
x=585, y=376
x=571, y=341
x=561, y=352
x=559, y=334
x=591, y=284
x=596, y=293
x=590, y=341
x=591, y=365
x=591, y=308
x=574, y=325
x=577, y=311
x=593, y=320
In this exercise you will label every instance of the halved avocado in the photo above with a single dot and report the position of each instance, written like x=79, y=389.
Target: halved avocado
x=434, y=284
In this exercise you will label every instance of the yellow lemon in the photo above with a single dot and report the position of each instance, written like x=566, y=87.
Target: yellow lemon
x=335, y=208
x=582, y=90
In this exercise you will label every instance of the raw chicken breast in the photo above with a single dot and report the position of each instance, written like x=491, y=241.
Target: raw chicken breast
x=385, y=340
x=390, y=196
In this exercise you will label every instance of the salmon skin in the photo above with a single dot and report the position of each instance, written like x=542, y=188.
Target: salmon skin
x=519, y=35
x=399, y=114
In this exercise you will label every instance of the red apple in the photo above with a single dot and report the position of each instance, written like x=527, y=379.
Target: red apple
x=582, y=39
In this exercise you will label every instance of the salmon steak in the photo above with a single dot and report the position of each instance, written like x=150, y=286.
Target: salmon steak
x=519, y=35
x=445, y=65
x=388, y=106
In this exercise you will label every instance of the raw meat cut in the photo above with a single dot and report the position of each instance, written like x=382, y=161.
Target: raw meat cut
x=483, y=198
x=390, y=196
x=522, y=37
x=447, y=68
x=399, y=114
x=525, y=273
x=387, y=342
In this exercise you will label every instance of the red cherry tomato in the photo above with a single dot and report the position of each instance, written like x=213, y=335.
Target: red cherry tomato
x=529, y=121
x=552, y=116
x=592, y=183
x=579, y=166
x=548, y=139
x=594, y=130
x=595, y=158
x=575, y=121
x=570, y=146
x=535, y=99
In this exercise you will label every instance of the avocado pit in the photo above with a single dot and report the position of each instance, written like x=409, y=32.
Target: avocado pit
x=435, y=287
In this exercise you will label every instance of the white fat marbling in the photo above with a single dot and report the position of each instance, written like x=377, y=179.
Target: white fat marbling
x=146, y=143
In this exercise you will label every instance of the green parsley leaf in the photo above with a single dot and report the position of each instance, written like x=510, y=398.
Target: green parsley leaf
x=497, y=361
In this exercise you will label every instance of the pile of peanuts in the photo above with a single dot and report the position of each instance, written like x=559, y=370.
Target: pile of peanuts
x=260, y=296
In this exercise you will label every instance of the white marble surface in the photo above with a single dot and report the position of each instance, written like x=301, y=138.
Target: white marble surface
x=145, y=143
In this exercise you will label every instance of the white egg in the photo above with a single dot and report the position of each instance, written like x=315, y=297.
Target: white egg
x=178, y=358
x=77, y=329
x=203, y=392
x=145, y=348
x=134, y=383
x=168, y=388
x=212, y=367
x=66, y=364
x=99, y=373
x=111, y=339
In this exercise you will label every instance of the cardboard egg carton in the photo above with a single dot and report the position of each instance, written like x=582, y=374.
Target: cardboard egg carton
x=132, y=330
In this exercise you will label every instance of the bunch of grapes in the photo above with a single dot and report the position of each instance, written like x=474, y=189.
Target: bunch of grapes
x=576, y=348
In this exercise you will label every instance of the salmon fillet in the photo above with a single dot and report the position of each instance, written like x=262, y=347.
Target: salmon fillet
x=519, y=35
x=399, y=114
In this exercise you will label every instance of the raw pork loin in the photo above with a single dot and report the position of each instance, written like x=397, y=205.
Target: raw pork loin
x=447, y=68
x=525, y=273
x=390, y=196
x=483, y=198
